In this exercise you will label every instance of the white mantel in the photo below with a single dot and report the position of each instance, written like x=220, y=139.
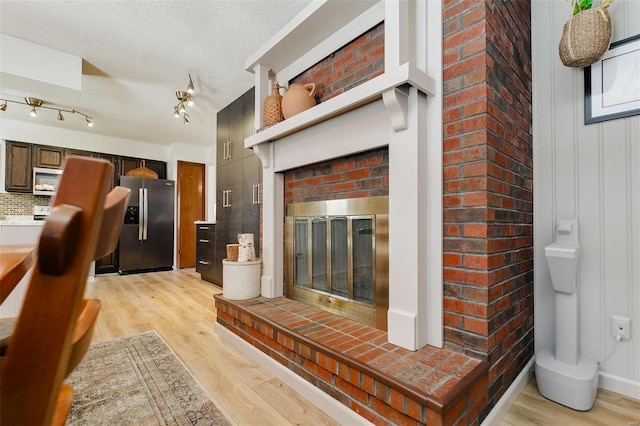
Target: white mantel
x=401, y=109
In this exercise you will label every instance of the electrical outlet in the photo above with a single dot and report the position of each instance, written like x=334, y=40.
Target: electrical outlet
x=621, y=325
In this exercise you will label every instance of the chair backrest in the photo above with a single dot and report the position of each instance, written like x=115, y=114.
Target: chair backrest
x=38, y=356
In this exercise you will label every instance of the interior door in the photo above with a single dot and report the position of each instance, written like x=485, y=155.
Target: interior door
x=191, y=203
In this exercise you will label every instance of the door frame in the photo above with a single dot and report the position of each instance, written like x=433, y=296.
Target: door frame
x=179, y=201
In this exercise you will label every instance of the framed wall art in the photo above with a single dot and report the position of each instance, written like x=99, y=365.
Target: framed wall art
x=612, y=85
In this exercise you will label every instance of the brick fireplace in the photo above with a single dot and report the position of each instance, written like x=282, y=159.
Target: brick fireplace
x=465, y=288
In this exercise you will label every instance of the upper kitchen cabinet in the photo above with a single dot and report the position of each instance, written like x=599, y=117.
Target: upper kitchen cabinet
x=248, y=118
x=160, y=167
x=235, y=123
x=79, y=153
x=129, y=163
x=48, y=156
x=19, y=175
x=230, y=142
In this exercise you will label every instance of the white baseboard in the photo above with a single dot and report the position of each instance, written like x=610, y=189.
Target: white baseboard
x=619, y=385
x=315, y=396
x=499, y=412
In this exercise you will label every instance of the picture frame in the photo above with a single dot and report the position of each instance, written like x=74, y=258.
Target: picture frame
x=612, y=85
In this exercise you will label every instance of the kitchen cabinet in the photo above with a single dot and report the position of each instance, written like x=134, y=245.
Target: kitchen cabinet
x=230, y=142
x=79, y=153
x=22, y=157
x=127, y=164
x=48, y=156
x=248, y=119
x=109, y=263
x=18, y=171
x=237, y=206
x=205, y=252
x=237, y=180
x=160, y=167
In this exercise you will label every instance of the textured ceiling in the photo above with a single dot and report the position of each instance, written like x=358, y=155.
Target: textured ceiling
x=137, y=54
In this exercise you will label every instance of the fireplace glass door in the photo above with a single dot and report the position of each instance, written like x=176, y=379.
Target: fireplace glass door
x=332, y=262
x=338, y=251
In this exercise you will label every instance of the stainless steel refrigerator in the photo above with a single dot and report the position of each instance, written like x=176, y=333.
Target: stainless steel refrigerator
x=146, y=240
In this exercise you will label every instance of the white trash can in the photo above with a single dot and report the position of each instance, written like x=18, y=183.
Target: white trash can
x=241, y=279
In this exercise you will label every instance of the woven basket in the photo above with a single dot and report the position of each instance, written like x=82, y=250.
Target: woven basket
x=142, y=172
x=585, y=38
x=272, y=107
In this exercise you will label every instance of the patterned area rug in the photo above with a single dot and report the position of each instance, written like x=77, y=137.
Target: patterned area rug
x=137, y=380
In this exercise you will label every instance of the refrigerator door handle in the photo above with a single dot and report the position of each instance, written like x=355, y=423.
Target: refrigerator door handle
x=140, y=213
x=146, y=214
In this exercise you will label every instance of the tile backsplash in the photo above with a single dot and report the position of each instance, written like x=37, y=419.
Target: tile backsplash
x=20, y=204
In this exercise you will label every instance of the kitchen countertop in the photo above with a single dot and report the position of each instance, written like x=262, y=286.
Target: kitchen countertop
x=20, y=220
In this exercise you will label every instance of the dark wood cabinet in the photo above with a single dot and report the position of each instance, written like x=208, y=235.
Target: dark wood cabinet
x=22, y=157
x=19, y=173
x=160, y=167
x=235, y=122
x=109, y=263
x=248, y=119
x=238, y=183
x=79, y=153
x=127, y=164
x=48, y=156
x=205, y=252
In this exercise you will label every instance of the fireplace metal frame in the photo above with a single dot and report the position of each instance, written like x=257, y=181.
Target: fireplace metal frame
x=376, y=208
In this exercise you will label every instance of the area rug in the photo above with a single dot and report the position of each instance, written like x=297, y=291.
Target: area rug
x=137, y=380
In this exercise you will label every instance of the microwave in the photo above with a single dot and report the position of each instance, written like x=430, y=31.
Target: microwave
x=45, y=181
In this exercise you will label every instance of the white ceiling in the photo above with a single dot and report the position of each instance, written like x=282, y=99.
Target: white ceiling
x=137, y=54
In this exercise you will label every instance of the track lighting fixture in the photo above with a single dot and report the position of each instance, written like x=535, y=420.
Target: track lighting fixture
x=190, y=88
x=184, y=99
x=36, y=103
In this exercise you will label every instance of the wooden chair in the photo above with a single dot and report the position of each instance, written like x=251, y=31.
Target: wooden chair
x=55, y=325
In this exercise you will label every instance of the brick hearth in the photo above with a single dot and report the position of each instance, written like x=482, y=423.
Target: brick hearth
x=356, y=365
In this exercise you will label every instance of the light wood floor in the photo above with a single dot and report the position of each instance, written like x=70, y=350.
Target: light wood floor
x=610, y=409
x=180, y=307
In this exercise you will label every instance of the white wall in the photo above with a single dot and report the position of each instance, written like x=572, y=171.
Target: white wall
x=592, y=173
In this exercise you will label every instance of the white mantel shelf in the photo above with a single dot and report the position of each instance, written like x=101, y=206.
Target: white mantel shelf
x=360, y=95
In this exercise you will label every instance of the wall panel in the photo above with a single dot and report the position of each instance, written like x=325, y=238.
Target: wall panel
x=589, y=172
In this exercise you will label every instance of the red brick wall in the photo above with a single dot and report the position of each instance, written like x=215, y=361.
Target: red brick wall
x=488, y=185
x=359, y=175
x=353, y=64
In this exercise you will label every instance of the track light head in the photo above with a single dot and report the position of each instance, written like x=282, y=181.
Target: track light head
x=185, y=118
x=181, y=107
x=189, y=100
x=33, y=112
x=190, y=88
x=176, y=113
x=60, y=116
x=3, y=107
x=89, y=122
